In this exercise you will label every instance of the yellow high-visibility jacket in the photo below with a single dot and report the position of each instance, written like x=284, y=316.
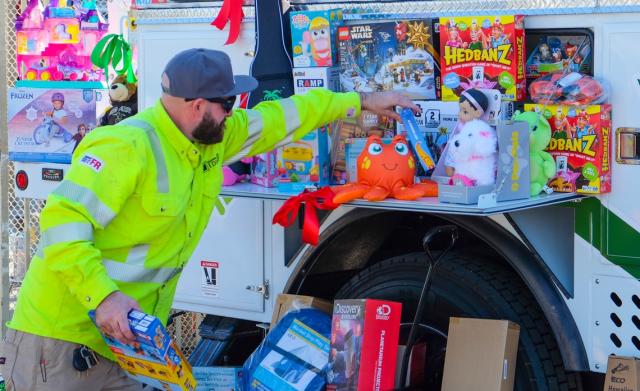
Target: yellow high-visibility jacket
x=133, y=206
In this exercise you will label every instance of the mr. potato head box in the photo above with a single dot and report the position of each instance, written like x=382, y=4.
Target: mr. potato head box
x=483, y=52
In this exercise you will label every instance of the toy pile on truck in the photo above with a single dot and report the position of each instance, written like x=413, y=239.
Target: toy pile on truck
x=506, y=114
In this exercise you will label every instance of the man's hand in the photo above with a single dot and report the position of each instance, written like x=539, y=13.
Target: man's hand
x=384, y=103
x=111, y=316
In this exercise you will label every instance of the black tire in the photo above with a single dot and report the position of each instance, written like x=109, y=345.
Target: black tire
x=468, y=286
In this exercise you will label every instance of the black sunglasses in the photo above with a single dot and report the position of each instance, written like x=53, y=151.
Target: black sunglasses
x=227, y=103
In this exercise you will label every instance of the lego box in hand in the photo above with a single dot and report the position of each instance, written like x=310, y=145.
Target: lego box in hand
x=390, y=56
x=364, y=345
x=483, y=52
x=153, y=359
x=45, y=125
x=581, y=147
x=313, y=37
x=304, y=163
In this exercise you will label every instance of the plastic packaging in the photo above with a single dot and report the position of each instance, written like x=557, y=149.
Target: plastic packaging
x=568, y=89
x=293, y=356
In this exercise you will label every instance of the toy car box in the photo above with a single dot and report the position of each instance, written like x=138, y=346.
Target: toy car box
x=364, y=345
x=560, y=50
x=154, y=359
x=512, y=177
x=581, y=147
x=483, y=52
x=304, y=163
x=313, y=37
x=305, y=79
x=390, y=56
x=45, y=124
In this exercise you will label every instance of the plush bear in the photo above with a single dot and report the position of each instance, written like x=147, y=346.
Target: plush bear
x=541, y=164
x=124, y=101
x=474, y=151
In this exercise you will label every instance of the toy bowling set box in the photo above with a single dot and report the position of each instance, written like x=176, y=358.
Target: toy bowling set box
x=387, y=56
x=154, y=359
x=313, y=36
x=304, y=163
x=580, y=145
x=364, y=345
x=46, y=124
x=483, y=52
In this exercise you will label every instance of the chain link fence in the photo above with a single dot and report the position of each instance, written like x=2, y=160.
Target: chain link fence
x=23, y=215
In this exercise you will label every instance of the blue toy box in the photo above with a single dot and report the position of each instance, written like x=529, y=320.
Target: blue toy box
x=154, y=359
x=313, y=37
x=305, y=163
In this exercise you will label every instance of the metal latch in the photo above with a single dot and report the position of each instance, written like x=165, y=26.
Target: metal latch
x=628, y=145
x=262, y=289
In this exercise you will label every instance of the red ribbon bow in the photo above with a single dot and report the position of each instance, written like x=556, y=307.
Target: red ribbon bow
x=319, y=199
x=231, y=11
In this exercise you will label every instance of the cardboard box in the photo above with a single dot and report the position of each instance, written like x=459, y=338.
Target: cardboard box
x=43, y=122
x=264, y=169
x=481, y=355
x=623, y=374
x=154, y=359
x=364, y=345
x=383, y=56
x=483, y=52
x=581, y=146
x=313, y=37
x=306, y=79
x=218, y=378
x=305, y=163
x=286, y=303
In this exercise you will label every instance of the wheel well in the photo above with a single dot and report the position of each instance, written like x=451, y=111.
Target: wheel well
x=366, y=236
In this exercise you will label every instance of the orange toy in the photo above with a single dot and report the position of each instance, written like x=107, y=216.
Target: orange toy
x=385, y=170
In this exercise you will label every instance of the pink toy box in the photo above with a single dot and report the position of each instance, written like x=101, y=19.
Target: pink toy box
x=55, y=42
x=264, y=169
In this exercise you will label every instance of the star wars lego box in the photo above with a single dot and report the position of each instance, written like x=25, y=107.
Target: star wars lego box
x=153, y=359
x=483, y=52
x=580, y=145
x=387, y=56
x=45, y=125
x=364, y=345
x=313, y=37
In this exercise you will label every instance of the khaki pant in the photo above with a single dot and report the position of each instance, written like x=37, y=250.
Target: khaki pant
x=35, y=363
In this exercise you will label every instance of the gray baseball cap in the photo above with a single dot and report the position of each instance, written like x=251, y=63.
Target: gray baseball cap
x=204, y=73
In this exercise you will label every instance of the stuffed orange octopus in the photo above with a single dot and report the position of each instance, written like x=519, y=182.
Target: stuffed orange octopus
x=385, y=170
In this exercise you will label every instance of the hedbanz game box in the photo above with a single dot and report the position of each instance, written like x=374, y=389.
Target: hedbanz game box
x=364, y=345
x=580, y=145
x=483, y=52
x=386, y=56
x=153, y=359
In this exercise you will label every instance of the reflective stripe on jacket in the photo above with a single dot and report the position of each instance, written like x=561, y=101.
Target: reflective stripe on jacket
x=132, y=208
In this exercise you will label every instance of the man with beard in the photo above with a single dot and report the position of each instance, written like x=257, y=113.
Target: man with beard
x=117, y=231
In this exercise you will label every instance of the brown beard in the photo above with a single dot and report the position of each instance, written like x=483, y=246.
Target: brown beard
x=209, y=131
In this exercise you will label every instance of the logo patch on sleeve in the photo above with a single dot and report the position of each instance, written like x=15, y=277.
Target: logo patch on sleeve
x=94, y=163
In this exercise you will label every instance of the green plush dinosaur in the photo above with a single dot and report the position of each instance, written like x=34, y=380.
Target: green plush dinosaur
x=542, y=165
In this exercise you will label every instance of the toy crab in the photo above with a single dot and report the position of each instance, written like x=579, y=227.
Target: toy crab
x=385, y=170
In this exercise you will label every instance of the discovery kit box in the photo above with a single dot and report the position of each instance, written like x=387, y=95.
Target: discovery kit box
x=154, y=359
x=305, y=163
x=580, y=145
x=44, y=124
x=483, y=52
x=313, y=37
x=387, y=56
x=364, y=345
